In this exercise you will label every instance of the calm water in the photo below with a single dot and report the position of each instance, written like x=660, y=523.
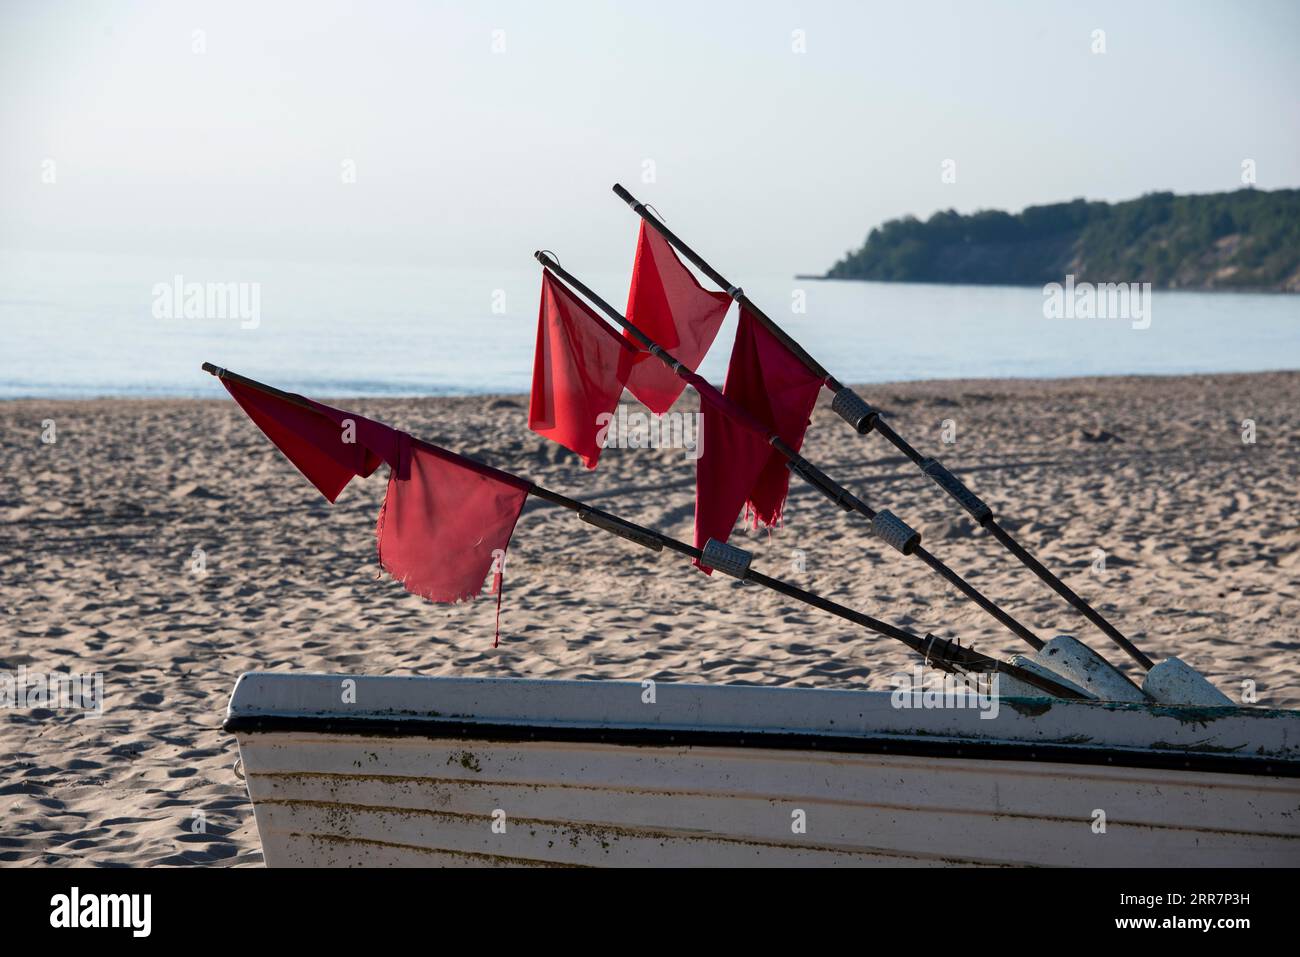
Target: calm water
x=76, y=325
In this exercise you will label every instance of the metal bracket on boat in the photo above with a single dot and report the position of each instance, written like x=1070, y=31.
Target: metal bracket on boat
x=633, y=533
x=854, y=410
x=725, y=558
x=957, y=489
x=895, y=532
x=938, y=653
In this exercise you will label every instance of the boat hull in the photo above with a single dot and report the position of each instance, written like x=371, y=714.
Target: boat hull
x=425, y=788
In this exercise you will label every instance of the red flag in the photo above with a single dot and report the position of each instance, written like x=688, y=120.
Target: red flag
x=327, y=445
x=675, y=311
x=737, y=467
x=443, y=529
x=578, y=371
x=446, y=520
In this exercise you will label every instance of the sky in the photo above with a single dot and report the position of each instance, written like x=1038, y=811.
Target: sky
x=772, y=135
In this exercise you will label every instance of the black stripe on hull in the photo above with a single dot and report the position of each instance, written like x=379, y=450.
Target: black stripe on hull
x=769, y=740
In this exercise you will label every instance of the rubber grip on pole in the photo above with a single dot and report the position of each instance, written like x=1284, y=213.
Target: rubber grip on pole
x=725, y=558
x=895, y=532
x=854, y=410
x=957, y=489
x=623, y=529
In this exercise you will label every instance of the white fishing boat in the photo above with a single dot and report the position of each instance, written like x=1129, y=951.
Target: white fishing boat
x=374, y=771
x=1076, y=764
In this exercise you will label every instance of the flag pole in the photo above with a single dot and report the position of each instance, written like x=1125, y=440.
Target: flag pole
x=865, y=418
x=884, y=524
x=947, y=654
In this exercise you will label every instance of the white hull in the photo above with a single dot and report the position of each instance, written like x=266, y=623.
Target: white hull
x=401, y=779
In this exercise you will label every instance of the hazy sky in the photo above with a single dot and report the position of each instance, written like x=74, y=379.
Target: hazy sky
x=764, y=157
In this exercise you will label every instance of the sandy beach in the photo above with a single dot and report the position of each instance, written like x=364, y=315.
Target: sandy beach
x=167, y=545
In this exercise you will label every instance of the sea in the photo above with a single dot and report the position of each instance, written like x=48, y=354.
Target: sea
x=80, y=325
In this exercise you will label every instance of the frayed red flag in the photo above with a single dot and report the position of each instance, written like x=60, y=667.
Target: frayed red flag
x=738, y=468
x=578, y=372
x=446, y=520
x=447, y=526
x=668, y=304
